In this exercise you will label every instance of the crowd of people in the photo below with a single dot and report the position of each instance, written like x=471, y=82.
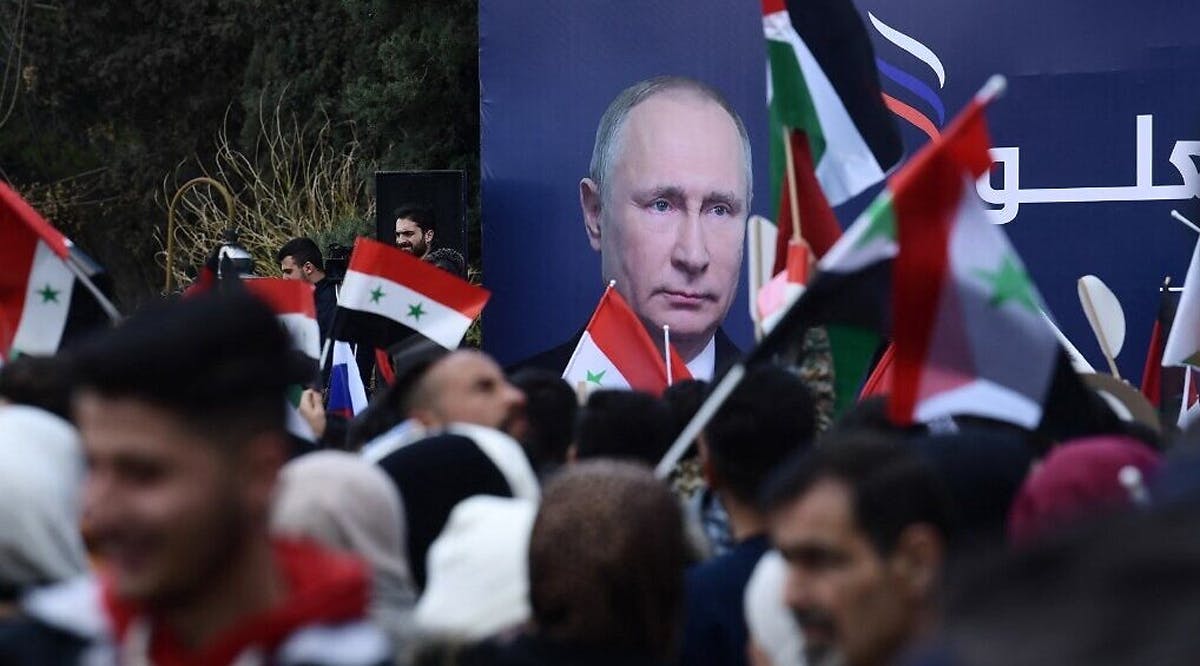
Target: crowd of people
x=155, y=508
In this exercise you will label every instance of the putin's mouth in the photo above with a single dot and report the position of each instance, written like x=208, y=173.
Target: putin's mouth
x=687, y=299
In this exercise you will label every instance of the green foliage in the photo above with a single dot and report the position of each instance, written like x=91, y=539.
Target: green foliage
x=119, y=98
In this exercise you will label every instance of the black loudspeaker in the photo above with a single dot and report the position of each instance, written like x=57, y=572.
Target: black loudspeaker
x=444, y=193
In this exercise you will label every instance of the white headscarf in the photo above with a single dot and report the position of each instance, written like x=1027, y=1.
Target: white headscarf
x=344, y=502
x=41, y=469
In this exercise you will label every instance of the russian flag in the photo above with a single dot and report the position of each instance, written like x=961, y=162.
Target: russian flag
x=347, y=395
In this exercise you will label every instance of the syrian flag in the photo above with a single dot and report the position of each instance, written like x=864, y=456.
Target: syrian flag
x=36, y=285
x=616, y=352
x=387, y=295
x=824, y=99
x=347, y=395
x=294, y=307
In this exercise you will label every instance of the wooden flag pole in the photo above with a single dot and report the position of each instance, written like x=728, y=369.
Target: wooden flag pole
x=791, y=182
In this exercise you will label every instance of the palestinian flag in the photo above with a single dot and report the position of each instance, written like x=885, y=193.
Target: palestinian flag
x=616, y=352
x=824, y=98
x=36, y=285
x=388, y=295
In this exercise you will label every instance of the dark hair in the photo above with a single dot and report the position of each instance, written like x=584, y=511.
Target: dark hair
x=623, y=424
x=422, y=216
x=684, y=399
x=892, y=487
x=766, y=419
x=449, y=260
x=219, y=361
x=606, y=560
x=550, y=407
x=302, y=251
x=38, y=381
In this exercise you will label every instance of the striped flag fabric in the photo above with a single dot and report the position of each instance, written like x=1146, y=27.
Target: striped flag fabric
x=294, y=307
x=388, y=295
x=347, y=394
x=616, y=352
x=824, y=99
x=293, y=304
x=35, y=284
x=924, y=265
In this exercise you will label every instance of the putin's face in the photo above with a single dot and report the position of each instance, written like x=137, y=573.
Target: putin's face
x=670, y=221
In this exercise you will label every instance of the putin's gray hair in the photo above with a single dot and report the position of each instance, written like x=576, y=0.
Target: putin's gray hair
x=608, y=133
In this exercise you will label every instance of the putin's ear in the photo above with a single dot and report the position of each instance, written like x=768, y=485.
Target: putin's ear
x=589, y=201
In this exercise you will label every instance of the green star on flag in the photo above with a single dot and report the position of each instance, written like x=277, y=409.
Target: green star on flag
x=48, y=294
x=1009, y=282
x=595, y=377
x=415, y=311
x=376, y=294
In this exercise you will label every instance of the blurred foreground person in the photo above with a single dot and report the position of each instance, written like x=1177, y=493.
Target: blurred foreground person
x=863, y=525
x=774, y=635
x=341, y=501
x=181, y=411
x=606, y=560
x=768, y=418
x=41, y=465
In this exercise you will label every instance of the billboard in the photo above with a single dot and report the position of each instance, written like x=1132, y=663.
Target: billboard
x=1096, y=140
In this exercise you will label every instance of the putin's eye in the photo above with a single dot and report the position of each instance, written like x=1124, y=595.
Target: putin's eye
x=661, y=205
x=721, y=210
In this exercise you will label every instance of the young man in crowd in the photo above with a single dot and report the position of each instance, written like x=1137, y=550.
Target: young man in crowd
x=181, y=411
x=768, y=418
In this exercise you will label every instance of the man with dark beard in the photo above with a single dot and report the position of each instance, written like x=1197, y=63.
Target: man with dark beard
x=862, y=523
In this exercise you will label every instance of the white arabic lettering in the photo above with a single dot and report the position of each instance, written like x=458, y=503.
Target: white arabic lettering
x=1010, y=196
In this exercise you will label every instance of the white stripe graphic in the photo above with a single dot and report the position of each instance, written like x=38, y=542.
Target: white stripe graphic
x=590, y=365
x=848, y=165
x=371, y=293
x=912, y=47
x=47, y=301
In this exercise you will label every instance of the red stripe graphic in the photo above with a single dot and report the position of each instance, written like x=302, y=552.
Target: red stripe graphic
x=375, y=258
x=916, y=118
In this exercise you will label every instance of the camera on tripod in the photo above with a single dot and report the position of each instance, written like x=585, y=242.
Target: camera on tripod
x=337, y=259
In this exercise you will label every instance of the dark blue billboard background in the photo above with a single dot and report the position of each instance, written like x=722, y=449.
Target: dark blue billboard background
x=1080, y=75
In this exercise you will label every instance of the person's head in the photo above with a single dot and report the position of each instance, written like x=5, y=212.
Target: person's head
x=466, y=386
x=181, y=411
x=606, y=560
x=300, y=259
x=625, y=425
x=550, y=408
x=344, y=502
x=766, y=419
x=449, y=260
x=414, y=229
x=41, y=467
x=665, y=203
x=37, y=381
x=861, y=522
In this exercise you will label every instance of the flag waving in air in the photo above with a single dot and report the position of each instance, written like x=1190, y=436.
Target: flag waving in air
x=616, y=352
x=35, y=284
x=825, y=102
x=388, y=295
